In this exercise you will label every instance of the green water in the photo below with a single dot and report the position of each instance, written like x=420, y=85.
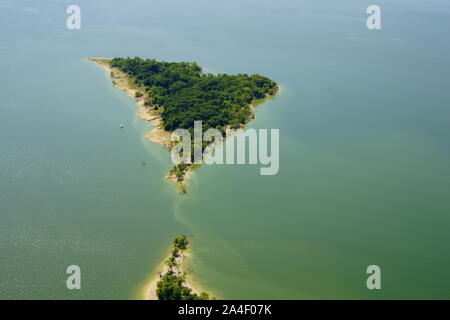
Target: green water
x=364, y=151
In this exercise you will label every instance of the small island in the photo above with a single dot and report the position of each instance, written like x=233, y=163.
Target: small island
x=172, y=95
x=171, y=283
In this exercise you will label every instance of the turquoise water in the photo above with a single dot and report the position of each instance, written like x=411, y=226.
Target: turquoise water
x=364, y=151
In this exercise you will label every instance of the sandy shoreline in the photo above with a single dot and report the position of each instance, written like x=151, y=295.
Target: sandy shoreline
x=122, y=81
x=149, y=290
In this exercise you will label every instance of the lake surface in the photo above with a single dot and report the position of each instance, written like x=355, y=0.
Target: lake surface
x=364, y=151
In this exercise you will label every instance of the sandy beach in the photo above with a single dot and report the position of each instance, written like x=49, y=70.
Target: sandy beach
x=149, y=290
x=122, y=81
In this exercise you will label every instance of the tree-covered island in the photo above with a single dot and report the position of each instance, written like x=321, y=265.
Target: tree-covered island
x=172, y=284
x=175, y=94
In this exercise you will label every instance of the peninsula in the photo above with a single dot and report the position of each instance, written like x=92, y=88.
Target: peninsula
x=172, y=95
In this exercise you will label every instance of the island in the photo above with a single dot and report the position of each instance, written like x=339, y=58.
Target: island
x=170, y=283
x=172, y=95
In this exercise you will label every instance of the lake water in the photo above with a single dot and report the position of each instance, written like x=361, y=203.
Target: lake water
x=364, y=151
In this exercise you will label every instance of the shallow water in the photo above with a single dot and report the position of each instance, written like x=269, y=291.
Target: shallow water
x=364, y=158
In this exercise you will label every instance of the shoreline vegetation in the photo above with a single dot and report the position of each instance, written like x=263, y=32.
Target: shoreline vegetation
x=170, y=283
x=174, y=95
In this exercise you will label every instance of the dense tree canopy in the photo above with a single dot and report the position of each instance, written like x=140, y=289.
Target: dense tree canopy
x=181, y=242
x=171, y=288
x=172, y=285
x=187, y=95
